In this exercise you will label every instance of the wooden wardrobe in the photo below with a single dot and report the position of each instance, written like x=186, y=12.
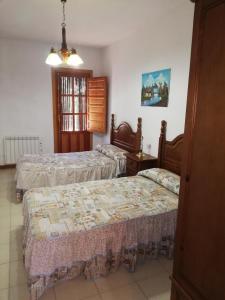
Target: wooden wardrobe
x=199, y=264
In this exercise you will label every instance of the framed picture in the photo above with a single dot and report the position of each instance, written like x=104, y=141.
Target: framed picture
x=155, y=88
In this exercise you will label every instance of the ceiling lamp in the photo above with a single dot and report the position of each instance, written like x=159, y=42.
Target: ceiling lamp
x=63, y=56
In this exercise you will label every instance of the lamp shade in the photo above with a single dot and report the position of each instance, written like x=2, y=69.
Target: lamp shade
x=53, y=58
x=74, y=59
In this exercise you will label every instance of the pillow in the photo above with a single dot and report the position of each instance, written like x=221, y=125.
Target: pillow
x=115, y=153
x=111, y=151
x=163, y=177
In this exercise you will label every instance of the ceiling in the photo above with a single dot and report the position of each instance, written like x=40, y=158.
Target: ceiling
x=89, y=22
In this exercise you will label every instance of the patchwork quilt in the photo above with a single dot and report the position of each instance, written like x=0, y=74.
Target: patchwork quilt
x=65, y=168
x=91, y=228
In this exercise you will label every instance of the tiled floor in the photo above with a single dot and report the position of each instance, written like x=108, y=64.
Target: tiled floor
x=150, y=281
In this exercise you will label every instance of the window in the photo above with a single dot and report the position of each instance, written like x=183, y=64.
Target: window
x=72, y=102
x=79, y=108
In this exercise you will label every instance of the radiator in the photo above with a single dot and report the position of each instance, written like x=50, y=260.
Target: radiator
x=15, y=146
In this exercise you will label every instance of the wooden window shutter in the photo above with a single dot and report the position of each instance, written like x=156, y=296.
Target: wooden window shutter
x=97, y=104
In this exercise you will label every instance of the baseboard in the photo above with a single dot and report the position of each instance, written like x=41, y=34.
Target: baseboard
x=7, y=166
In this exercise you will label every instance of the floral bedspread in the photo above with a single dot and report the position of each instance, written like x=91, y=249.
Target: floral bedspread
x=92, y=227
x=66, y=168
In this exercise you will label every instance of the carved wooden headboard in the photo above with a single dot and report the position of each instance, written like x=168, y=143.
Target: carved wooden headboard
x=170, y=152
x=124, y=137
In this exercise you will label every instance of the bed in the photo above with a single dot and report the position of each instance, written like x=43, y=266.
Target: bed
x=92, y=228
x=105, y=162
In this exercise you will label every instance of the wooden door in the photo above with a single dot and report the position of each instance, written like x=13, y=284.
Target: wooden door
x=199, y=267
x=70, y=110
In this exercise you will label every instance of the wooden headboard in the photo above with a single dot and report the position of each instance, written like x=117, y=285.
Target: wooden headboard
x=124, y=137
x=170, y=152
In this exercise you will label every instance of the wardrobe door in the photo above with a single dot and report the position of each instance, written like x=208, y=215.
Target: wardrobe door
x=199, y=266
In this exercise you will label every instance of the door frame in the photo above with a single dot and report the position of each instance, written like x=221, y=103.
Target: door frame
x=54, y=72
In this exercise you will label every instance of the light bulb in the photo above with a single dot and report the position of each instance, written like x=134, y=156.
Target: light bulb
x=53, y=58
x=74, y=59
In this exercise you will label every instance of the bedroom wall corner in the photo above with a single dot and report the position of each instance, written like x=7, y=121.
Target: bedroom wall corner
x=154, y=47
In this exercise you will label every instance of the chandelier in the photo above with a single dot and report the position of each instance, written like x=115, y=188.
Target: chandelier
x=64, y=56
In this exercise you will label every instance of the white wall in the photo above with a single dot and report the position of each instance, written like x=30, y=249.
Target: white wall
x=166, y=44
x=25, y=80
x=25, y=89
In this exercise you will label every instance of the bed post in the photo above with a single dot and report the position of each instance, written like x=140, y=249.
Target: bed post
x=112, y=128
x=139, y=134
x=162, y=140
x=139, y=124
